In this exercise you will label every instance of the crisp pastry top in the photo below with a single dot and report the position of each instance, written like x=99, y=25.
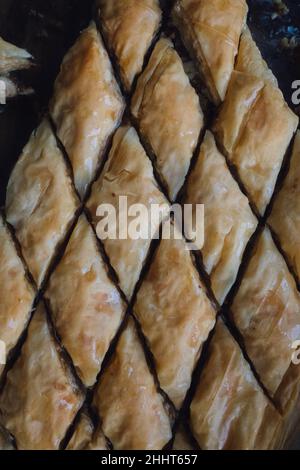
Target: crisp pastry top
x=285, y=215
x=250, y=62
x=168, y=114
x=40, y=200
x=229, y=410
x=255, y=125
x=12, y=57
x=40, y=398
x=211, y=31
x=266, y=310
x=16, y=293
x=128, y=172
x=229, y=221
x=87, y=105
x=86, y=306
x=129, y=28
x=132, y=411
x=176, y=316
x=85, y=437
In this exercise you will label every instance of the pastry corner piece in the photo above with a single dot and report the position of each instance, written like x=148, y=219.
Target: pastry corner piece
x=13, y=58
x=229, y=410
x=16, y=293
x=129, y=28
x=40, y=200
x=175, y=315
x=255, y=125
x=168, y=113
x=127, y=179
x=131, y=409
x=229, y=221
x=285, y=215
x=211, y=31
x=86, y=306
x=86, y=437
x=87, y=105
x=266, y=311
x=40, y=398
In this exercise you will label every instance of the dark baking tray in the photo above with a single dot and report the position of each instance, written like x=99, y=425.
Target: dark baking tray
x=47, y=29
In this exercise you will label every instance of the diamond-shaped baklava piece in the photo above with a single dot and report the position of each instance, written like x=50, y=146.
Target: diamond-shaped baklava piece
x=211, y=31
x=85, y=437
x=40, y=398
x=127, y=173
x=16, y=295
x=285, y=216
x=129, y=28
x=87, y=105
x=132, y=411
x=176, y=316
x=255, y=125
x=40, y=201
x=229, y=409
x=168, y=114
x=229, y=221
x=266, y=310
x=87, y=307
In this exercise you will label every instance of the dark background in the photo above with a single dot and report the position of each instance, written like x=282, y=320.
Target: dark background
x=47, y=28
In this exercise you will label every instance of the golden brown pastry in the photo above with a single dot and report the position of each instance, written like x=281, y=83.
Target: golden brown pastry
x=266, y=310
x=40, y=398
x=211, y=31
x=87, y=105
x=249, y=60
x=285, y=216
x=255, y=125
x=229, y=410
x=85, y=437
x=176, y=316
x=129, y=28
x=229, y=221
x=87, y=307
x=13, y=58
x=40, y=200
x=169, y=115
x=16, y=293
x=128, y=172
x=132, y=410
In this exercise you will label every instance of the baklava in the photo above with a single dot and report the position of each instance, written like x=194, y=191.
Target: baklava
x=87, y=106
x=168, y=114
x=127, y=173
x=129, y=28
x=40, y=202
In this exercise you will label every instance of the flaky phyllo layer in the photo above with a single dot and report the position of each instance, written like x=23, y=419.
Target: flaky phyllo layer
x=107, y=339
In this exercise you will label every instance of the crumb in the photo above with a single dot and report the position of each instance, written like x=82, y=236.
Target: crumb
x=281, y=8
x=291, y=43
